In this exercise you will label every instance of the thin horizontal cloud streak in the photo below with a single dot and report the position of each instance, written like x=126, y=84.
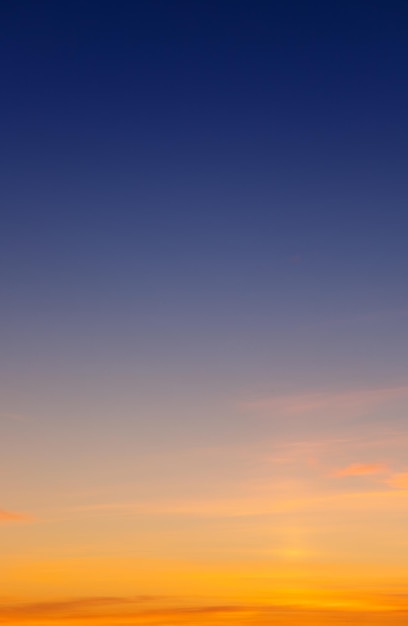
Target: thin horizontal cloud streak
x=330, y=406
x=399, y=481
x=13, y=516
x=362, y=469
x=102, y=608
x=133, y=611
x=254, y=506
x=72, y=608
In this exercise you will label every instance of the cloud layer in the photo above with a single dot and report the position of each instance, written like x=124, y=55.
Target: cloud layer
x=13, y=516
x=362, y=469
x=327, y=405
x=102, y=610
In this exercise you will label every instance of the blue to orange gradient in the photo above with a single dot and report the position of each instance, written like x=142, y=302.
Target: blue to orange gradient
x=204, y=312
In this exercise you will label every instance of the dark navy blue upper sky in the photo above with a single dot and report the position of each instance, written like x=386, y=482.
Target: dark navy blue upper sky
x=219, y=183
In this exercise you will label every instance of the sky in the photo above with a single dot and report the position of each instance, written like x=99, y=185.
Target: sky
x=203, y=365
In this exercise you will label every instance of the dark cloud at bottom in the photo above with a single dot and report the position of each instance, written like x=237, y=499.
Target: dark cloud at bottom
x=162, y=611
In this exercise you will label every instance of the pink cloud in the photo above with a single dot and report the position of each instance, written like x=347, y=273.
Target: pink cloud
x=328, y=405
x=399, y=480
x=362, y=469
x=12, y=516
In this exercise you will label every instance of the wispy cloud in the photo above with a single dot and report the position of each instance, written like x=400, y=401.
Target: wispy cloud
x=258, y=505
x=13, y=516
x=362, y=469
x=330, y=405
x=309, y=403
x=105, y=609
x=399, y=480
x=134, y=611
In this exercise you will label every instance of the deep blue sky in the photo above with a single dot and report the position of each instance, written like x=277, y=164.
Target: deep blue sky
x=210, y=189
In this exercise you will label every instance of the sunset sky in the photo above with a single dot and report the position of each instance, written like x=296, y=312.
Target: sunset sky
x=204, y=309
